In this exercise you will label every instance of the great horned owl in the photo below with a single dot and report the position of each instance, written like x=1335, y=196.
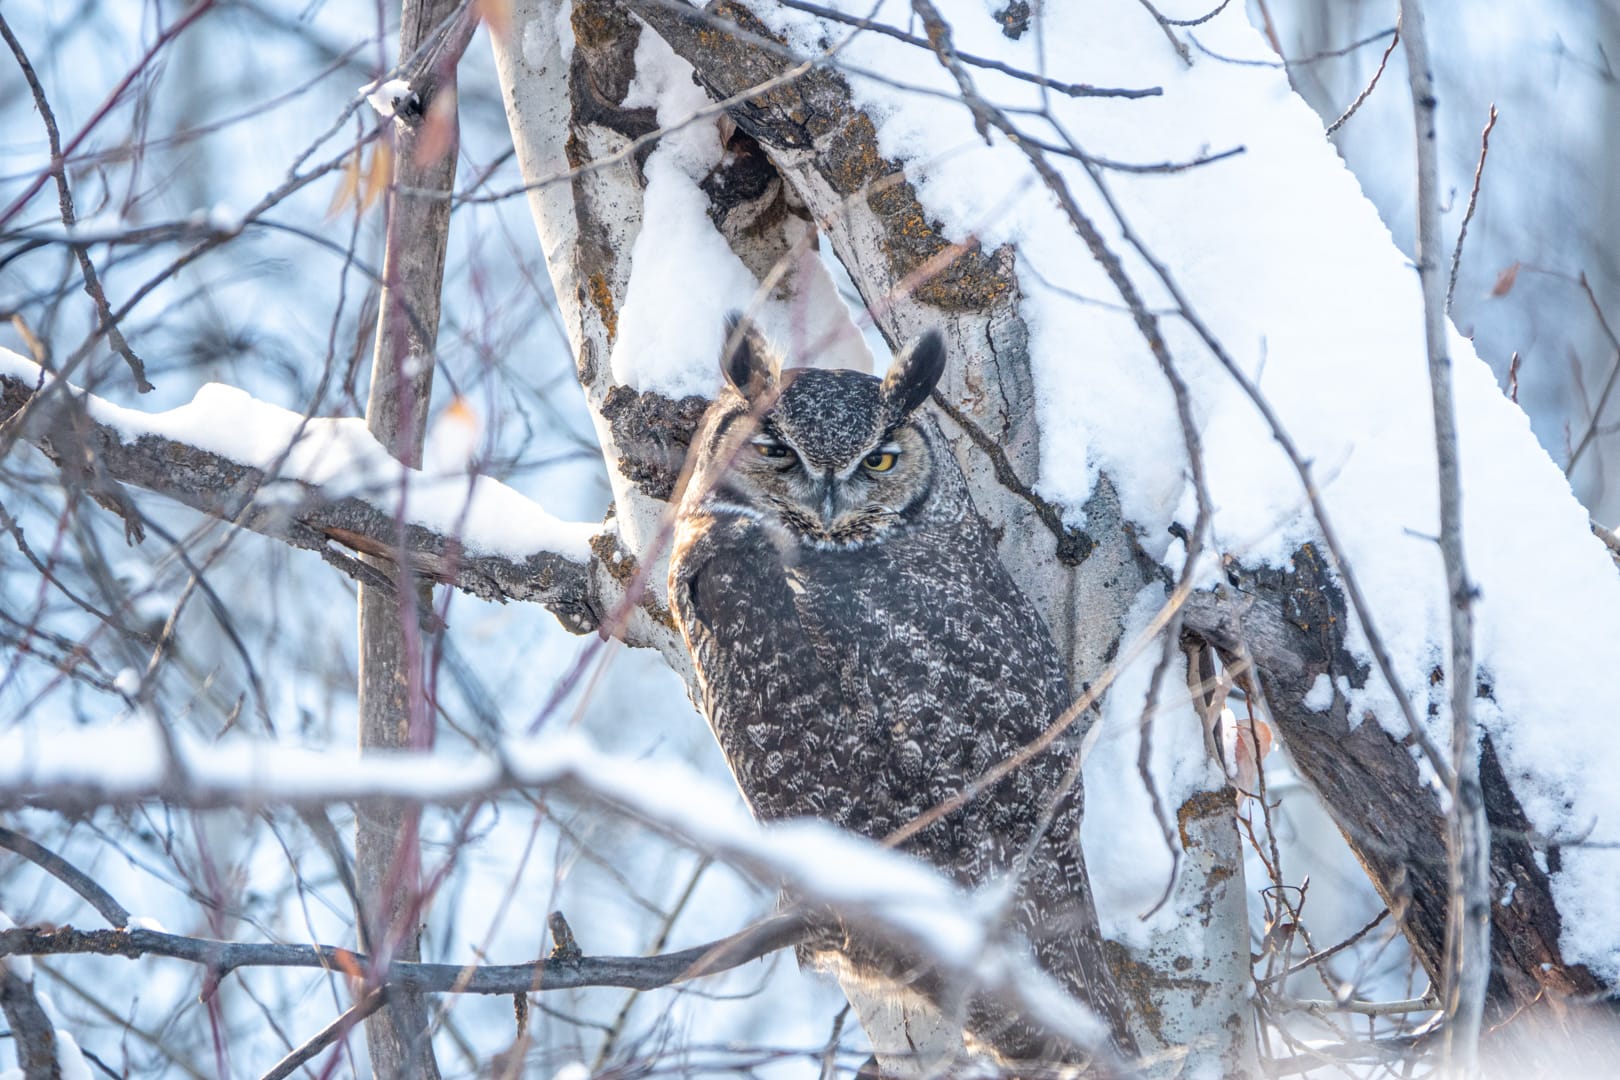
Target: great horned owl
x=863, y=655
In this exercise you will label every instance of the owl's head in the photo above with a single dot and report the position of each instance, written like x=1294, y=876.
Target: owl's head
x=833, y=458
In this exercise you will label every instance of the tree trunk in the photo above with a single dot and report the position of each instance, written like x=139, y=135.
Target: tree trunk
x=393, y=713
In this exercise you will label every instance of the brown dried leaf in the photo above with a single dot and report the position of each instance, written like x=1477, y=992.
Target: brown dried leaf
x=1505, y=280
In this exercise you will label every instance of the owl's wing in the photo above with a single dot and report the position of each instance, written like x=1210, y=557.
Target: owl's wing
x=769, y=696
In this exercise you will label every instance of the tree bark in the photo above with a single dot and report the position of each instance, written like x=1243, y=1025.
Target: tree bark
x=31, y=1030
x=393, y=715
x=1292, y=622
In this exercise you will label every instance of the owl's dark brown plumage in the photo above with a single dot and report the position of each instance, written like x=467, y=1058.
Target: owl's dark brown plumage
x=863, y=654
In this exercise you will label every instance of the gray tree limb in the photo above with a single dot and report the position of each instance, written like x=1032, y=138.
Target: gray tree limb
x=220, y=958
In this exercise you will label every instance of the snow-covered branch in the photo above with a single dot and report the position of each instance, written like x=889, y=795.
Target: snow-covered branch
x=898, y=177
x=320, y=484
x=906, y=904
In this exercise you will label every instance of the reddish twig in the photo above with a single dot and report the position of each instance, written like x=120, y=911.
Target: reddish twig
x=1372, y=84
x=1473, y=201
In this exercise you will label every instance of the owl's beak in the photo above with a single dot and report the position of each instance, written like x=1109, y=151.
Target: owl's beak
x=828, y=507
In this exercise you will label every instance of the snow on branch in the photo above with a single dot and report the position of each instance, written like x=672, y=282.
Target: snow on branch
x=319, y=484
x=903, y=901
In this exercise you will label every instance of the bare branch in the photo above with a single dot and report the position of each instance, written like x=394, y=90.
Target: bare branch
x=65, y=872
x=1473, y=201
x=31, y=1029
x=1468, y=930
x=1069, y=89
x=64, y=195
x=220, y=958
x=328, y=1035
x=1372, y=84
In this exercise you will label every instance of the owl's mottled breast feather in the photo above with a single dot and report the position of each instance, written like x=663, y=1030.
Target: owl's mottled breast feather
x=825, y=677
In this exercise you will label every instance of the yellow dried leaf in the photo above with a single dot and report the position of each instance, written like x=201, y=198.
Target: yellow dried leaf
x=379, y=175
x=347, y=186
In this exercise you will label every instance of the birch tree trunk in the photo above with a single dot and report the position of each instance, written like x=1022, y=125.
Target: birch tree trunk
x=1190, y=987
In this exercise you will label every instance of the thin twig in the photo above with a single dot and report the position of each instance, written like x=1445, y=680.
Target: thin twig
x=1473, y=201
x=331, y=1033
x=1333, y=950
x=1609, y=383
x=1069, y=89
x=1372, y=84
x=1313, y=58
x=1468, y=924
x=64, y=197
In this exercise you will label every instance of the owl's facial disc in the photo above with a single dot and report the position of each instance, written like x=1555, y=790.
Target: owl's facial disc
x=832, y=458
x=835, y=502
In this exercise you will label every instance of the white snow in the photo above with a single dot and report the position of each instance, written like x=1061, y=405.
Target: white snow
x=1320, y=695
x=1126, y=854
x=1294, y=272
x=683, y=272
x=127, y=682
x=886, y=889
x=221, y=218
x=341, y=457
x=534, y=44
x=388, y=97
x=69, y=1058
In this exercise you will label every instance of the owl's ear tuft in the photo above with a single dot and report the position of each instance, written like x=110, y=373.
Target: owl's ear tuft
x=745, y=359
x=915, y=373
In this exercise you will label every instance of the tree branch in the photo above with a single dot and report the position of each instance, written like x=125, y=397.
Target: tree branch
x=31, y=1028
x=220, y=958
x=68, y=874
x=271, y=499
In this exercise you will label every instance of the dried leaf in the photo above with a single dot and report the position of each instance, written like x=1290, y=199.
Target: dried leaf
x=1505, y=280
x=1244, y=744
x=379, y=176
x=347, y=186
x=437, y=135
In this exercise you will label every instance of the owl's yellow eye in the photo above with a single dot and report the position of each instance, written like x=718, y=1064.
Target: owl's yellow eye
x=771, y=450
x=881, y=460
